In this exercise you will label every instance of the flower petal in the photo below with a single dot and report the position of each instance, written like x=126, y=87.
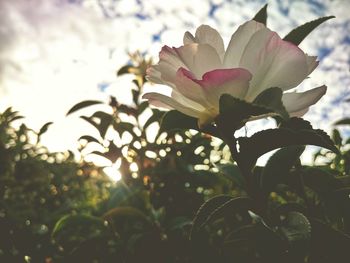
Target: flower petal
x=312, y=63
x=199, y=58
x=154, y=75
x=188, y=38
x=161, y=100
x=234, y=82
x=238, y=42
x=207, y=35
x=186, y=85
x=273, y=63
x=297, y=104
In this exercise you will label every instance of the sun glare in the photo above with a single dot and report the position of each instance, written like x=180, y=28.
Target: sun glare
x=113, y=173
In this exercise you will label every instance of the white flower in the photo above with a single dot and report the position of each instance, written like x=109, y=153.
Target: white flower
x=256, y=59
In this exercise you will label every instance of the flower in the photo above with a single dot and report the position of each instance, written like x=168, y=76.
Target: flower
x=256, y=59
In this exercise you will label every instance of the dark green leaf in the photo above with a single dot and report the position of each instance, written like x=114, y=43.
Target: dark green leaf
x=122, y=127
x=92, y=122
x=262, y=142
x=44, y=128
x=128, y=110
x=175, y=120
x=272, y=99
x=206, y=209
x=101, y=115
x=83, y=104
x=296, y=124
x=125, y=70
x=89, y=138
x=296, y=227
x=235, y=112
x=215, y=208
x=156, y=117
x=112, y=154
x=261, y=16
x=105, y=121
x=233, y=172
x=17, y=117
x=135, y=94
x=336, y=137
x=320, y=180
x=345, y=121
x=71, y=230
x=297, y=35
x=328, y=244
x=142, y=107
x=73, y=221
x=8, y=112
x=279, y=165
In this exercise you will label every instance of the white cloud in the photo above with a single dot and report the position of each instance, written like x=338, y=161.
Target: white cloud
x=55, y=53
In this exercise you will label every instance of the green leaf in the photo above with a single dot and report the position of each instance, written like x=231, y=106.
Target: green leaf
x=175, y=120
x=328, y=244
x=112, y=154
x=126, y=109
x=345, y=121
x=72, y=230
x=83, y=104
x=296, y=227
x=87, y=119
x=279, y=165
x=206, y=209
x=14, y=118
x=336, y=137
x=320, y=180
x=253, y=147
x=44, y=128
x=122, y=127
x=296, y=124
x=142, y=107
x=272, y=99
x=136, y=93
x=125, y=70
x=218, y=206
x=89, y=139
x=156, y=117
x=261, y=16
x=234, y=113
x=297, y=35
x=104, y=123
x=232, y=172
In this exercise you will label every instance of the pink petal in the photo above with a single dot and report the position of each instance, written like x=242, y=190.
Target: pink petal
x=215, y=83
x=186, y=85
x=218, y=77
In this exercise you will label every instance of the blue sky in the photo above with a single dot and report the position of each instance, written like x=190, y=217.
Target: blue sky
x=56, y=53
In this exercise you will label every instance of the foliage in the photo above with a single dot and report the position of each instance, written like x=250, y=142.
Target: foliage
x=36, y=189
x=186, y=194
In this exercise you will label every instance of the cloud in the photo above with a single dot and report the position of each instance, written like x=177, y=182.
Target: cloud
x=58, y=52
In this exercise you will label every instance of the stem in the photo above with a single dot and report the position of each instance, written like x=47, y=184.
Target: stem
x=231, y=142
x=301, y=185
x=258, y=198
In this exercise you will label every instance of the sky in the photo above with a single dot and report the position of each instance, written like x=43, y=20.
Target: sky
x=55, y=53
